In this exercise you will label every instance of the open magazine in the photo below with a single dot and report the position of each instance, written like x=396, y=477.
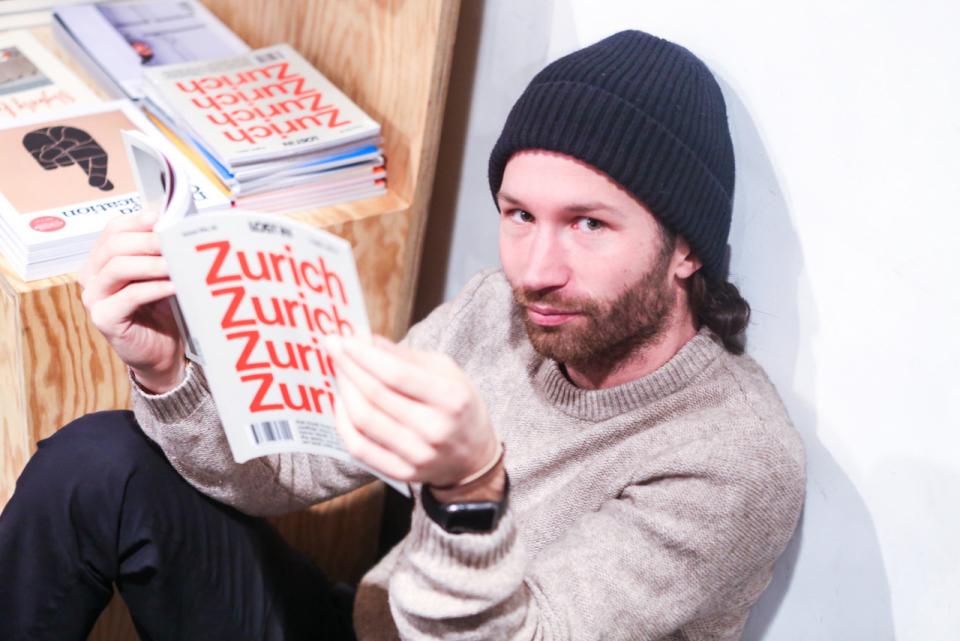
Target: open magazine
x=256, y=295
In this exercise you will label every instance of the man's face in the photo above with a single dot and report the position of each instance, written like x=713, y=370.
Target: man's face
x=588, y=264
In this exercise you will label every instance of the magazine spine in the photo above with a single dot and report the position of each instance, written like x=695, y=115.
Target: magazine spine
x=65, y=39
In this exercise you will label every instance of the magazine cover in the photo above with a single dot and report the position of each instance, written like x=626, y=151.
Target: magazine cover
x=259, y=293
x=121, y=39
x=65, y=177
x=266, y=104
x=33, y=81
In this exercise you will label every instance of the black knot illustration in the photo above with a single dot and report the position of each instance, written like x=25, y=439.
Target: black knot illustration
x=58, y=146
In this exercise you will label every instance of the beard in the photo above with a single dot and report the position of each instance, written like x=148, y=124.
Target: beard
x=605, y=332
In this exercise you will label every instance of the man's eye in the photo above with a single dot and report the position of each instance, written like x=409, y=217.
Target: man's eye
x=520, y=216
x=589, y=224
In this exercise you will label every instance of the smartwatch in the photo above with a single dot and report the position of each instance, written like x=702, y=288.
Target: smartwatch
x=473, y=517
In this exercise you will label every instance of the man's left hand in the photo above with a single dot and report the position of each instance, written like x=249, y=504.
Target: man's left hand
x=413, y=416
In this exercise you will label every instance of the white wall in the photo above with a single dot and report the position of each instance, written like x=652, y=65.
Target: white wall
x=846, y=123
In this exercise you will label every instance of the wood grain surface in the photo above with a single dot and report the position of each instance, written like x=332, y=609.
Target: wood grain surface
x=14, y=435
x=393, y=58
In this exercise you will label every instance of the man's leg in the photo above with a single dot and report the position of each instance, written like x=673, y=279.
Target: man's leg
x=99, y=503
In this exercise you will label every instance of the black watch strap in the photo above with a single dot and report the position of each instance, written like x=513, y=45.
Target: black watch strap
x=473, y=517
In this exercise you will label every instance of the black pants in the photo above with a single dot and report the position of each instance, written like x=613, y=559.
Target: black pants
x=99, y=504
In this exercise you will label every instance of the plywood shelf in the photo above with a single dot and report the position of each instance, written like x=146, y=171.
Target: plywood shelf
x=390, y=56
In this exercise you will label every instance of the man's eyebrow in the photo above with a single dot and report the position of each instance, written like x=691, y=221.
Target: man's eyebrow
x=507, y=198
x=574, y=208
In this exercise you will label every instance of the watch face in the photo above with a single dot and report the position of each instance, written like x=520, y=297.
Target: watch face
x=471, y=517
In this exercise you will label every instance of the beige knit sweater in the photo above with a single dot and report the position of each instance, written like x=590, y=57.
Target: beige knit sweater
x=653, y=510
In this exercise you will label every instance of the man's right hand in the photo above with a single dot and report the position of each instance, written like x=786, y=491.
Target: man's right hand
x=125, y=285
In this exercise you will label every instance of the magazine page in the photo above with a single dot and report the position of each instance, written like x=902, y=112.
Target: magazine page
x=260, y=293
x=163, y=182
x=152, y=172
x=33, y=81
x=164, y=188
x=269, y=103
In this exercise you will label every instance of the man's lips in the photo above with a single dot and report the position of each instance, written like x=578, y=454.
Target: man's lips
x=549, y=316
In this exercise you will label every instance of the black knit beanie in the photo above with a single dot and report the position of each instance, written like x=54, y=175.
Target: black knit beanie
x=649, y=114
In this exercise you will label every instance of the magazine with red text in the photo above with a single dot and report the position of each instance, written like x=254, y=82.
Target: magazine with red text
x=256, y=296
x=33, y=81
x=266, y=104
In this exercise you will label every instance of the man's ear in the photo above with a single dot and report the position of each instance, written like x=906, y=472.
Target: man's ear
x=685, y=262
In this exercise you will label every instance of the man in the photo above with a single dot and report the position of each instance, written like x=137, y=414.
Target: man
x=591, y=455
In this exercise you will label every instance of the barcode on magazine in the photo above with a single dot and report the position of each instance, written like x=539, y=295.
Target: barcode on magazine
x=269, y=431
x=268, y=56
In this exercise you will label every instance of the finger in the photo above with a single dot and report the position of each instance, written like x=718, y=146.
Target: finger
x=410, y=378
x=368, y=452
x=110, y=312
x=406, y=353
x=143, y=220
x=131, y=243
x=122, y=270
x=381, y=428
x=400, y=408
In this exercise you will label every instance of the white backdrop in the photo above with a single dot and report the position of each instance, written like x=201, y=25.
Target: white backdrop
x=847, y=128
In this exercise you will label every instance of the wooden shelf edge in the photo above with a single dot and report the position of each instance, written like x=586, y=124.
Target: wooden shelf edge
x=388, y=203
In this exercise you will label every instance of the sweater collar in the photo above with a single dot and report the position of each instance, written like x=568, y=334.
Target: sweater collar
x=602, y=404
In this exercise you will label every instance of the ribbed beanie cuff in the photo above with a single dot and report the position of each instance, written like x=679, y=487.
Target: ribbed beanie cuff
x=648, y=114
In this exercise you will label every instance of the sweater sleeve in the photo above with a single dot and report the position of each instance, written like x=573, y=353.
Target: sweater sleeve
x=664, y=554
x=185, y=424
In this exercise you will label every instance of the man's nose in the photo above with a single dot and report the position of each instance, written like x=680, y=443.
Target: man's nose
x=547, y=266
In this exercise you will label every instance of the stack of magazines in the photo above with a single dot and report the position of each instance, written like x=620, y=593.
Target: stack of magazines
x=271, y=131
x=277, y=134
x=65, y=175
x=263, y=129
